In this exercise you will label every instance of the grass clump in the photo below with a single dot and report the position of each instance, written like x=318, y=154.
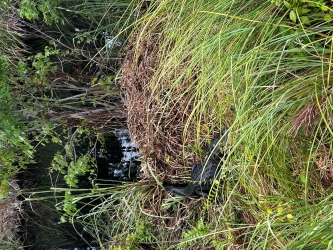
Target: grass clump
x=114, y=215
x=202, y=66
x=192, y=69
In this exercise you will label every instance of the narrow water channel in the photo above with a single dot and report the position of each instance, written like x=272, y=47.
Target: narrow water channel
x=119, y=161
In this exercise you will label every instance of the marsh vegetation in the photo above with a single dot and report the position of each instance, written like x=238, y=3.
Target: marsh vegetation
x=175, y=73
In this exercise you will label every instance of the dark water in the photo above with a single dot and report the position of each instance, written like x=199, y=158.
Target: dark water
x=127, y=168
x=118, y=161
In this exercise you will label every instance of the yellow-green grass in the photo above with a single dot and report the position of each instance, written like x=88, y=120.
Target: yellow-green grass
x=245, y=67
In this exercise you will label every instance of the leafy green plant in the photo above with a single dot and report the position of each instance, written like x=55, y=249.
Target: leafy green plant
x=32, y=9
x=308, y=12
x=143, y=233
x=68, y=207
x=16, y=126
x=81, y=166
x=196, y=233
x=15, y=149
x=71, y=164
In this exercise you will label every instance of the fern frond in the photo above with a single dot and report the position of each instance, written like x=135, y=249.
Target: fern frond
x=194, y=234
x=212, y=196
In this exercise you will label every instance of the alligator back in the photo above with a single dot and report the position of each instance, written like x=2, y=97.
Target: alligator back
x=204, y=173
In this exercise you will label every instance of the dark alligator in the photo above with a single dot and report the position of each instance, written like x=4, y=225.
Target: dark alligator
x=204, y=173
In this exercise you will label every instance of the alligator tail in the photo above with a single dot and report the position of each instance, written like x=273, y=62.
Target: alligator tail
x=183, y=191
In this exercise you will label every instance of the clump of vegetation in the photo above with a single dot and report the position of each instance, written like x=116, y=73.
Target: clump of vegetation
x=50, y=50
x=260, y=69
x=243, y=65
x=307, y=12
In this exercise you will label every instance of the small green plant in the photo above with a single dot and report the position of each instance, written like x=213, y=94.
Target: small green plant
x=84, y=36
x=32, y=9
x=196, y=233
x=83, y=165
x=68, y=207
x=213, y=194
x=73, y=164
x=38, y=74
x=307, y=12
x=143, y=233
x=15, y=149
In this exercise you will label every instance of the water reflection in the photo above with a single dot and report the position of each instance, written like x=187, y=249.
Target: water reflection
x=127, y=168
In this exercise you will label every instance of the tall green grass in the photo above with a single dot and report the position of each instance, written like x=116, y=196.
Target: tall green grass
x=268, y=81
x=115, y=18
x=117, y=214
x=250, y=70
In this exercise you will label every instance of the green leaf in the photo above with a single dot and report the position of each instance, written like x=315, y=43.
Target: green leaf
x=324, y=8
x=175, y=207
x=287, y=4
x=305, y=20
x=302, y=177
x=327, y=18
x=305, y=10
x=293, y=16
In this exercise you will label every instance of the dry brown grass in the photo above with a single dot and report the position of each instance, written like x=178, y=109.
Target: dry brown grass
x=170, y=223
x=12, y=32
x=156, y=122
x=307, y=118
x=9, y=219
x=156, y=118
